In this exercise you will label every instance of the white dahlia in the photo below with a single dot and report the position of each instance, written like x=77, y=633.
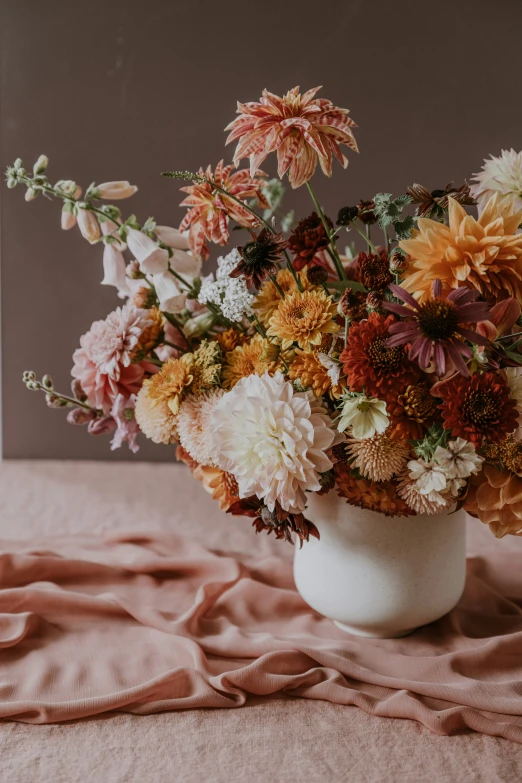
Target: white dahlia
x=272, y=440
x=194, y=426
x=499, y=175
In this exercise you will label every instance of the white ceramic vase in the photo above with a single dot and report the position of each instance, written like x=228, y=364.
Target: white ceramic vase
x=380, y=576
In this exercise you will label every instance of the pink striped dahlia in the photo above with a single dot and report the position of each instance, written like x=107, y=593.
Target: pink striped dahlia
x=210, y=210
x=304, y=131
x=436, y=326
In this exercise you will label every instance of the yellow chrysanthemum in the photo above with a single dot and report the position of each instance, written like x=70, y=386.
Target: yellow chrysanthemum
x=268, y=299
x=307, y=368
x=155, y=417
x=168, y=384
x=303, y=317
x=485, y=254
x=150, y=334
x=230, y=339
x=252, y=358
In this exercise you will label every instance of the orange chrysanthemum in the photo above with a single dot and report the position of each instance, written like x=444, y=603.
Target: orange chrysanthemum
x=304, y=131
x=269, y=298
x=150, y=334
x=307, y=368
x=210, y=210
x=375, y=496
x=168, y=384
x=244, y=360
x=485, y=254
x=371, y=365
x=230, y=339
x=304, y=317
x=412, y=412
x=495, y=497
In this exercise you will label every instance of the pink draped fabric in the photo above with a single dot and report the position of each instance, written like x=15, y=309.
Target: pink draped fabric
x=149, y=623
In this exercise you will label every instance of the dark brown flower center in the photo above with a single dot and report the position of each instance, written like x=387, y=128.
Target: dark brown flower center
x=438, y=319
x=418, y=403
x=383, y=357
x=481, y=408
x=255, y=253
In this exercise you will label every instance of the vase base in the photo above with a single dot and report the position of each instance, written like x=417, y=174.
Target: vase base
x=373, y=634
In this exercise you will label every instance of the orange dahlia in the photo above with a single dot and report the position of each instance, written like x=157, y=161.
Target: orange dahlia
x=483, y=253
x=210, y=210
x=308, y=368
x=247, y=359
x=412, y=412
x=222, y=486
x=304, y=131
x=495, y=497
x=370, y=364
x=269, y=298
x=478, y=407
x=375, y=496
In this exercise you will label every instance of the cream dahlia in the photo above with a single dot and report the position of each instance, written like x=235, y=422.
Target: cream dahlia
x=194, y=427
x=304, y=131
x=272, y=440
x=499, y=175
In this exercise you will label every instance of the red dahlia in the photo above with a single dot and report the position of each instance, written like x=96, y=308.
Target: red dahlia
x=478, y=407
x=308, y=238
x=370, y=364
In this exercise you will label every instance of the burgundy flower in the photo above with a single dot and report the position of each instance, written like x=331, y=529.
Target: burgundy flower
x=308, y=238
x=282, y=523
x=436, y=327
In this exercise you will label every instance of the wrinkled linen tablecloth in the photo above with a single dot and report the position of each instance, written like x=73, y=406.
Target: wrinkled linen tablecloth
x=208, y=617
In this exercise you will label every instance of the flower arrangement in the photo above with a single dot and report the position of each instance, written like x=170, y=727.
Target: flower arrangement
x=391, y=376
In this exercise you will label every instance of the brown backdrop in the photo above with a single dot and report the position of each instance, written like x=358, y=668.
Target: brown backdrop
x=126, y=89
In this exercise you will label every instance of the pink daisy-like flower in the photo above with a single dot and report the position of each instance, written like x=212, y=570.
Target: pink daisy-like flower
x=435, y=326
x=210, y=210
x=304, y=131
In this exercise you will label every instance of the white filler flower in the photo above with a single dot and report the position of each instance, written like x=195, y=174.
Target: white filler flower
x=230, y=294
x=499, y=175
x=365, y=415
x=273, y=440
x=459, y=459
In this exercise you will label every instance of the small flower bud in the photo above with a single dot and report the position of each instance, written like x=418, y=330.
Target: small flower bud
x=12, y=182
x=114, y=190
x=78, y=392
x=28, y=376
x=31, y=194
x=350, y=303
x=41, y=164
x=101, y=426
x=33, y=385
x=18, y=164
x=53, y=401
x=398, y=262
x=89, y=226
x=317, y=275
x=133, y=270
x=347, y=215
x=47, y=382
x=68, y=219
x=80, y=416
x=366, y=213
x=373, y=302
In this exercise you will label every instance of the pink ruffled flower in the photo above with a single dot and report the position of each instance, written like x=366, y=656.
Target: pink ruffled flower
x=103, y=363
x=126, y=425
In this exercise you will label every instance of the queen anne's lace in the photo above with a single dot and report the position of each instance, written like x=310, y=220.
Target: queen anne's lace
x=228, y=293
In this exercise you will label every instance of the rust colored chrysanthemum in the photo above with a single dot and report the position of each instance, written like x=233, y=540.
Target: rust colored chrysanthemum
x=303, y=317
x=381, y=496
x=230, y=339
x=478, y=407
x=307, y=368
x=380, y=457
x=495, y=497
x=505, y=455
x=371, y=365
x=412, y=412
x=210, y=209
x=222, y=486
x=304, y=131
x=307, y=239
x=145, y=297
x=244, y=360
x=352, y=304
x=259, y=257
x=150, y=334
x=373, y=270
x=366, y=213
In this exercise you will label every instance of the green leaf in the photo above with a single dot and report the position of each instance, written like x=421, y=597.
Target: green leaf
x=341, y=285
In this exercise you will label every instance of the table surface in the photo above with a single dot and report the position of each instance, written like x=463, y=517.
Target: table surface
x=325, y=742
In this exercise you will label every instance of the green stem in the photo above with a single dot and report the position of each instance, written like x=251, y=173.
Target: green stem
x=70, y=400
x=508, y=336
x=332, y=250
x=278, y=287
x=173, y=345
x=366, y=238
